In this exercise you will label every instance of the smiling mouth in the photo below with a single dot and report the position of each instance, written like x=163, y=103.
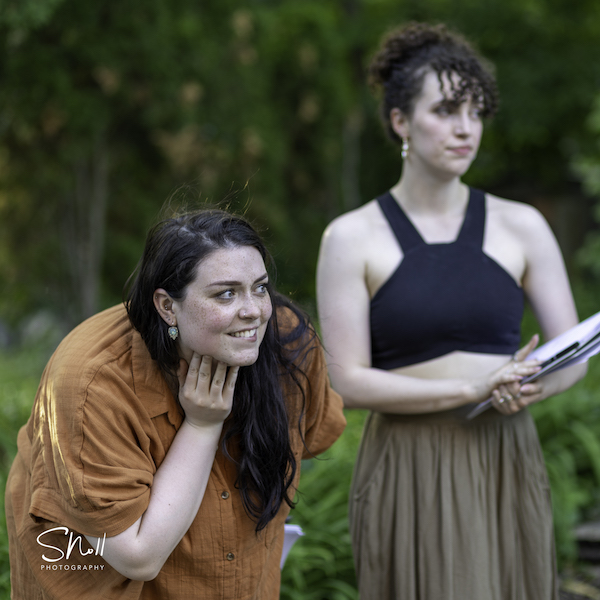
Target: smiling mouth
x=244, y=334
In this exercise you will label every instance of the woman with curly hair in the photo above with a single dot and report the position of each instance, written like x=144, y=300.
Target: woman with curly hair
x=420, y=296
x=163, y=450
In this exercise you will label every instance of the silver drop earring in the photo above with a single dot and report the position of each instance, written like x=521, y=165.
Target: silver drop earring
x=173, y=332
x=405, y=148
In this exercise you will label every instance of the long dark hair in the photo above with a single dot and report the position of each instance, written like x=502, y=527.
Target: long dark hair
x=257, y=435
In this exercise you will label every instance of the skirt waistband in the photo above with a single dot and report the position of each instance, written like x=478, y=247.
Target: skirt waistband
x=455, y=415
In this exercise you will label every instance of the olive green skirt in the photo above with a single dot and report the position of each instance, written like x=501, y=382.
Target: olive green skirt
x=442, y=508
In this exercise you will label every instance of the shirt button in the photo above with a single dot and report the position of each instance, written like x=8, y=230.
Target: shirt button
x=230, y=556
x=225, y=495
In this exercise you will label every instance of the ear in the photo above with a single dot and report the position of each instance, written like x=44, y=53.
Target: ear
x=164, y=306
x=399, y=123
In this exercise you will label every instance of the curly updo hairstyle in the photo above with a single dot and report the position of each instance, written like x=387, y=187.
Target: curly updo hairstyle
x=407, y=54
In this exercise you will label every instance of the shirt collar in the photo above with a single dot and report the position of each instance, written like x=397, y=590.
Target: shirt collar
x=150, y=384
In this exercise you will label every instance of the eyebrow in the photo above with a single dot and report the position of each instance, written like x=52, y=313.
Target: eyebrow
x=233, y=283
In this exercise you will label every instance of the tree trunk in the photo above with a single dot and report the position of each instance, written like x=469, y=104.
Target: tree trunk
x=351, y=160
x=84, y=226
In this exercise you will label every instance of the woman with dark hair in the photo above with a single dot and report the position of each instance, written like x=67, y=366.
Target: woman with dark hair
x=420, y=297
x=163, y=450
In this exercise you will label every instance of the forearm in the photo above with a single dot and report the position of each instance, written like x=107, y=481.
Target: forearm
x=175, y=497
x=559, y=381
x=383, y=391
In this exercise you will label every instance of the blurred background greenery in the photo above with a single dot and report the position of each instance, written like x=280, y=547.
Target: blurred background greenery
x=107, y=109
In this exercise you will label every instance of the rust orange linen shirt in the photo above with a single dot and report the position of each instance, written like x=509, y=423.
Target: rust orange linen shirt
x=101, y=425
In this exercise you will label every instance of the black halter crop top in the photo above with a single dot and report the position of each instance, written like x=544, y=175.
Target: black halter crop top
x=443, y=297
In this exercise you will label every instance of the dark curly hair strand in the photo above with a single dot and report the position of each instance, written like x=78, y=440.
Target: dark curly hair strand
x=407, y=54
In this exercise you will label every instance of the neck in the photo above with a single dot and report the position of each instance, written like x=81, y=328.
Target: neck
x=430, y=195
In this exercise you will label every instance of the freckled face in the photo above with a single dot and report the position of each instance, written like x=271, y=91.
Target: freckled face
x=444, y=138
x=226, y=308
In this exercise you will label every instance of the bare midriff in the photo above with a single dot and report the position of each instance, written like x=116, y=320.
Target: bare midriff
x=456, y=365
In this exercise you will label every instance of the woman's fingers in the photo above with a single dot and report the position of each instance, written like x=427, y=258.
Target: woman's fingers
x=223, y=384
x=199, y=375
x=508, y=396
x=515, y=371
x=202, y=377
x=499, y=401
x=527, y=349
x=230, y=382
x=206, y=389
x=506, y=401
x=188, y=374
x=512, y=389
x=532, y=389
x=218, y=380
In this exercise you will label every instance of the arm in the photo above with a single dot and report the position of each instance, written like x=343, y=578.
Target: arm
x=343, y=301
x=546, y=285
x=179, y=484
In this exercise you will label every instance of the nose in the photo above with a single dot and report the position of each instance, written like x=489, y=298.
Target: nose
x=250, y=308
x=463, y=125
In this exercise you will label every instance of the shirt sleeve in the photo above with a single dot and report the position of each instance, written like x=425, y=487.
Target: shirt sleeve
x=325, y=419
x=98, y=455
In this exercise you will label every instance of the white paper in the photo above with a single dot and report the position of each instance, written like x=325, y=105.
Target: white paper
x=581, y=333
x=291, y=534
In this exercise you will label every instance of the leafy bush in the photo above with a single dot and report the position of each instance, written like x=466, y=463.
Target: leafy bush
x=320, y=564
x=569, y=430
x=19, y=377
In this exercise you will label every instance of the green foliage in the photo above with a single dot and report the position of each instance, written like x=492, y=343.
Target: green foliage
x=587, y=166
x=320, y=564
x=569, y=430
x=19, y=377
x=220, y=95
x=24, y=15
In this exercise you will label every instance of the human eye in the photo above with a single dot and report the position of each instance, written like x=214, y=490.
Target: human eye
x=475, y=112
x=225, y=295
x=443, y=110
x=262, y=288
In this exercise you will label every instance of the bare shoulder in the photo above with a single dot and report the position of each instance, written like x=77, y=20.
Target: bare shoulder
x=519, y=217
x=352, y=237
x=354, y=225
